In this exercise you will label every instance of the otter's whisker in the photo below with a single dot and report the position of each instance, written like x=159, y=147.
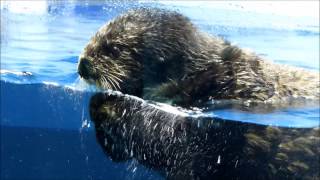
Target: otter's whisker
x=111, y=83
x=101, y=82
x=120, y=73
x=105, y=83
x=114, y=76
x=114, y=83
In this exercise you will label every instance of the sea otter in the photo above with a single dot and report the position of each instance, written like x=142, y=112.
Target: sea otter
x=186, y=147
x=159, y=54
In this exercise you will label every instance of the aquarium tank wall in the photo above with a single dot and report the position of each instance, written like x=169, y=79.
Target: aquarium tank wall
x=46, y=128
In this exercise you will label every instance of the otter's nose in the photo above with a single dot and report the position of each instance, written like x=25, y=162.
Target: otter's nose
x=84, y=68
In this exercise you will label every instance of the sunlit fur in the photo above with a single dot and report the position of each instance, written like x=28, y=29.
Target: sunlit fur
x=156, y=53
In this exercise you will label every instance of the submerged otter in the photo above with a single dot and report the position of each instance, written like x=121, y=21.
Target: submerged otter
x=185, y=147
x=160, y=55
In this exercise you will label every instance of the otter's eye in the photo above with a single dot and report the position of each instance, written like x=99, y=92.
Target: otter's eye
x=115, y=52
x=110, y=50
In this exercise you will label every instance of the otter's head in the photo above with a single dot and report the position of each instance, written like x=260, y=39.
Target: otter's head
x=137, y=50
x=110, y=60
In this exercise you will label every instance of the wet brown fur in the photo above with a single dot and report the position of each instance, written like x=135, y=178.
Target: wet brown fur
x=159, y=54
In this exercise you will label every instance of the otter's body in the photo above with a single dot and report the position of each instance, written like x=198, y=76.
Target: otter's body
x=161, y=55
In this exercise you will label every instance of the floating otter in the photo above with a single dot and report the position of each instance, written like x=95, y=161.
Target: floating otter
x=185, y=147
x=160, y=55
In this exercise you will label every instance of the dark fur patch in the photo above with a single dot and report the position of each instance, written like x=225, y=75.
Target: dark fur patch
x=184, y=147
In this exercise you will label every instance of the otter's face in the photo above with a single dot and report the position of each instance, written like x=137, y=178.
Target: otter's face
x=110, y=59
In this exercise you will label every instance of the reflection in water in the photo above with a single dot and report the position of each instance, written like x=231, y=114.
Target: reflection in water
x=180, y=146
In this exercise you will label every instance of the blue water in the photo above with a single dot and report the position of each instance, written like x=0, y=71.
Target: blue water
x=45, y=127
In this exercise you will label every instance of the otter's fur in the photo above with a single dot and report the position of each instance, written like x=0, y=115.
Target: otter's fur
x=185, y=147
x=159, y=54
